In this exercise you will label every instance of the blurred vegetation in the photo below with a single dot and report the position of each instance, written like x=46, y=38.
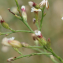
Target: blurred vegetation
x=52, y=28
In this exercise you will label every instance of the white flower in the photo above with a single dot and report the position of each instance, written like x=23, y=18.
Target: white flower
x=34, y=9
x=23, y=8
x=14, y=10
x=5, y=41
x=62, y=18
x=30, y=3
x=0, y=17
x=44, y=2
x=37, y=32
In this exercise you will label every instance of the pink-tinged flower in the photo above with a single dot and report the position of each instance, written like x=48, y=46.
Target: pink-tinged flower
x=38, y=33
x=11, y=42
x=35, y=10
x=5, y=41
x=24, y=15
x=62, y=18
x=32, y=4
x=44, y=2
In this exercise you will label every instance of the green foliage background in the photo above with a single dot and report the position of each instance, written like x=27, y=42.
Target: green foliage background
x=52, y=28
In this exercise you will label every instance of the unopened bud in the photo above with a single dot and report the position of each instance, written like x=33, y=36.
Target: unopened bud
x=10, y=59
x=36, y=42
x=4, y=24
x=34, y=20
x=24, y=15
x=42, y=41
x=15, y=43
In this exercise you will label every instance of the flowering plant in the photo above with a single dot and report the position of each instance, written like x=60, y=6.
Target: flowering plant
x=41, y=44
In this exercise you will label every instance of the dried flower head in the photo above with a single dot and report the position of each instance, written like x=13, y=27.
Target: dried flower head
x=44, y=2
x=10, y=59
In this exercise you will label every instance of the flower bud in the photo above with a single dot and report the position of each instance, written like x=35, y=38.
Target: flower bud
x=4, y=24
x=42, y=41
x=10, y=59
x=24, y=15
x=15, y=43
x=24, y=44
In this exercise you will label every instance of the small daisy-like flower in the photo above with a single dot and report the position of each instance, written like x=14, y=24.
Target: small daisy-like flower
x=44, y=2
x=38, y=33
x=34, y=9
x=62, y=18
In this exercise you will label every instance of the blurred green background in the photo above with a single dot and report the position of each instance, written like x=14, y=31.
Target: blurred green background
x=52, y=28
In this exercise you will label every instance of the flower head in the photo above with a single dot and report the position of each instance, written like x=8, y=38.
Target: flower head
x=34, y=9
x=32, y=4
x=11, y=42
x=23, y=8
x=38, y=33
x=44, y=2
x=5, y=41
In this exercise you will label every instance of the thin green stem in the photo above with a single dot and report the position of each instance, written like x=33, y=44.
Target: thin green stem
x=18, y=7
x=15, y=31
x=17, y=51
x=32, y=55
x=36, y=17
x=59, y=58
x=42, y=17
